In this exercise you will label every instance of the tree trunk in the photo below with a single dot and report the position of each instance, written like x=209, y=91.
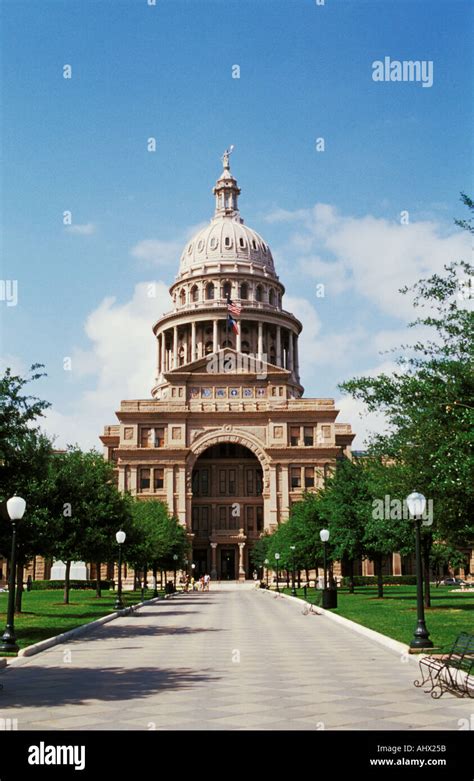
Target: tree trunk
x=378, y=562
x=67, y=582
x=19, y=587
x=299, y=578
x=307, y=576
x=351, y=576
x=287, y=578
x=98, y=591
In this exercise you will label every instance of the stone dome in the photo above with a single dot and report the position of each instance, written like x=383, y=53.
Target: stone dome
x=226, y=238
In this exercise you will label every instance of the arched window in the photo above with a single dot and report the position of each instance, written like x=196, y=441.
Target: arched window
x=271, y=297
x=244, y=291
x=227, y=289
x=210, y=291
x=258, y=293
x=194, y=293
x=182, y=297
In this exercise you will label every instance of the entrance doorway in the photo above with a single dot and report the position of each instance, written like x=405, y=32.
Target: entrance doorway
x=200, y=560
x=228, y=564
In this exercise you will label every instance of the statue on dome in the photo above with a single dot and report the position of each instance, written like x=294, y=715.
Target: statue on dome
x=226, y=155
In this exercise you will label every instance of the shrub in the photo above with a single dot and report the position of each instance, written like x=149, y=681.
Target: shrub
x=49, y=585
x=388, y=580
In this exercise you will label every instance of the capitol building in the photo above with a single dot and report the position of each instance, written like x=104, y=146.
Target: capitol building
x=226, y=438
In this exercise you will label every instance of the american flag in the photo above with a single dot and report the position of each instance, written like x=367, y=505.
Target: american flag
x=233, y=308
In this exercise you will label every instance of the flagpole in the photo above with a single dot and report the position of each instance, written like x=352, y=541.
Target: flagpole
x=227, y=321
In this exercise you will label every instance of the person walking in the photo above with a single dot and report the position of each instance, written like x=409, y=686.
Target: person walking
x=207, y=580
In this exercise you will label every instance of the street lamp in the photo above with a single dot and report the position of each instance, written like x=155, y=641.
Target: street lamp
x=16, y=509
x=277, y=559
x=416, y=504
x=120, y=537
x=293, y=590
x=175, y=559
x=329, y=594
x=266, y=569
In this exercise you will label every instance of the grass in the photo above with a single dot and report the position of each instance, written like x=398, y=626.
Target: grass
x=45, y=615
x=395, y=614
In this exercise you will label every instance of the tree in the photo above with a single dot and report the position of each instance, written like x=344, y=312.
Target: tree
x=428, y=403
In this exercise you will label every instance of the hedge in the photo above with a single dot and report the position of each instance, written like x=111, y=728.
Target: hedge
x=46, y=585
x=388, y=580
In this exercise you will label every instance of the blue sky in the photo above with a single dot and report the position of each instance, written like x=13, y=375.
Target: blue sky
x=165, y=71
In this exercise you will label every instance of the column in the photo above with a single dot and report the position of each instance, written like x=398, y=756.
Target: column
x=214, y=560
x=278, y=356
x=158, y=354
x=175, y=346
x=290, y=350
x=163, y=351
x=239, y=337
x=260, y=340
x=193, y=341
x=214, y=336
x=241, y=561
x=297, y=362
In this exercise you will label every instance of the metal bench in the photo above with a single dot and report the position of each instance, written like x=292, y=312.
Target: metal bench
x=452, y=671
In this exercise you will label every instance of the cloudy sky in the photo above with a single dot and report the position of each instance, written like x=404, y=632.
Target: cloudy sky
x=350, y=219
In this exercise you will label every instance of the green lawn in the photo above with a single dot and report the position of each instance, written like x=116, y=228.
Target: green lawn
x=395, y=614
x=44, y=614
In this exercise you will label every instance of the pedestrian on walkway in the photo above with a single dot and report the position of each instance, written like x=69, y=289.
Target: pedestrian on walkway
x=207, y=580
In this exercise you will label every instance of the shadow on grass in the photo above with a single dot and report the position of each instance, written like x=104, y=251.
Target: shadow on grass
x=30, y=687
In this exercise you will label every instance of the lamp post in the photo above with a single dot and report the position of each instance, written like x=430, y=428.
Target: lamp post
x=329, y=594
x=175, y=559
x=266, y=570
x=277, y=559
x=120, y=537
x=16, y=508
x=416, y=504
x=293, y=589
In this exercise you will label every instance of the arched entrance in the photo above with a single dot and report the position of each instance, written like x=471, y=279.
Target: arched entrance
x=226, y=510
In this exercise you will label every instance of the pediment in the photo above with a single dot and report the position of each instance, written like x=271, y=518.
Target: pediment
x=225, y=362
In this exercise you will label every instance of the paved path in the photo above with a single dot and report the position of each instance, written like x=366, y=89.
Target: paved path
x=233, y=658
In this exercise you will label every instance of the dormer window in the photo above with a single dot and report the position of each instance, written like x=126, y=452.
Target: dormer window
x=227, y=242
x=242, y=243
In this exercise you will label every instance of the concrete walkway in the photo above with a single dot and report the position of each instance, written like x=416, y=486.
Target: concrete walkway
x=233, y=658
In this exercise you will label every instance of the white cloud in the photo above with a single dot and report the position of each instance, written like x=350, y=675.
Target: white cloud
x=370, y=256
x=156, y=252
x=82, y=230
x=122, y=359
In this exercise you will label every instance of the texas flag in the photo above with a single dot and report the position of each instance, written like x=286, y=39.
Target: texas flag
x=232, y=324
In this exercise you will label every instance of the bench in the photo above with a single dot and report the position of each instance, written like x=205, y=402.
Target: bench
x=452, y=671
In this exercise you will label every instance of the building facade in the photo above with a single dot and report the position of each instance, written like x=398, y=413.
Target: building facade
x=227, y=438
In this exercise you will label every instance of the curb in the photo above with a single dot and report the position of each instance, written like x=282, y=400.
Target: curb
x=43, y=645
x=388, y=642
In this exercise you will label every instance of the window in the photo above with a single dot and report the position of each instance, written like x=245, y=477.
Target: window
x=309, y=477
x=244, y=291
x=195, y=519
x=196, y=482
x=227, y=242
x=204, y=519
x=249, y=482
x=159, y=479
x=254, y=244
x=210, y=291
x=222, y=517
x=258, y=293
x=259, y=482
x=308, y=435
x=208, y=348
x=294, y=435
x=250, y=518
x=145, y=437
x=182, y=297
x=222, y=481
x=295, y=477
x=227, y=289
x=144, y=479
x=204, y=482
x=260, y=518
x=271, y=298
x=159, y=437
x=195, y=293
x=232, y=485
x=242, y=242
